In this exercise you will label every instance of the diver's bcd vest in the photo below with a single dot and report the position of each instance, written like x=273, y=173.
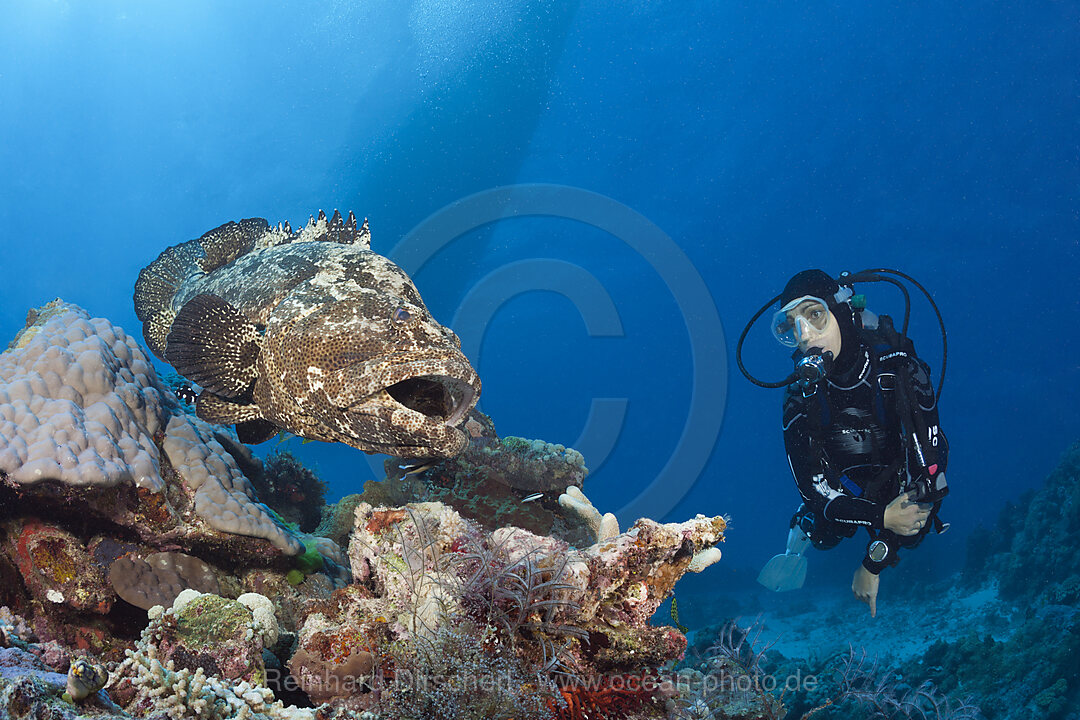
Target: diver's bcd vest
x=883, y=336
x=884, y=341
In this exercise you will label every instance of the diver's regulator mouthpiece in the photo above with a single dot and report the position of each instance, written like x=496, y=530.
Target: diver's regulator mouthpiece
x=812, y=368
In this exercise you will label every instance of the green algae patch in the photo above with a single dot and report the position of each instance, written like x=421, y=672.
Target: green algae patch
x=209, y=619
x=311, y=561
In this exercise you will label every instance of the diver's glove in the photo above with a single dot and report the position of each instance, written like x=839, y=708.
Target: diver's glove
x=787, y=571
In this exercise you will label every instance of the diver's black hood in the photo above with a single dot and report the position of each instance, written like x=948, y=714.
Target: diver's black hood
x=820, y=284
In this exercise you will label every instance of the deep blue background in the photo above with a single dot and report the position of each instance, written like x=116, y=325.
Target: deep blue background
x=762, y=137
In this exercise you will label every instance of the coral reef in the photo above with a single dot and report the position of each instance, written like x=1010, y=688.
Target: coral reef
x=83, y=409
x=1030, y=556
x=202, y=659
x=1034, y=541
x=457, y=675
x=615, y=586
x=43, y=680
x=436, y=591
x=445, y=620
x=1032, y=674
x=141, y=512
x=740, y=678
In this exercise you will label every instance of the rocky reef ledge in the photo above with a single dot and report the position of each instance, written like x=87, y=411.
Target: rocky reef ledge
x=140, y=575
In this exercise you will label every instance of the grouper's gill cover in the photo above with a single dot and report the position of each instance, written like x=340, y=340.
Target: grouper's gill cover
x=310, y=332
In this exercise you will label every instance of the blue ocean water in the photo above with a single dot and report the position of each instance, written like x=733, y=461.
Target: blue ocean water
x=664, y=167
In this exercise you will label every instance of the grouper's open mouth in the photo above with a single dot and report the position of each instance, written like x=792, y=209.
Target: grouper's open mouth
x=440, y=398
x=410, y=405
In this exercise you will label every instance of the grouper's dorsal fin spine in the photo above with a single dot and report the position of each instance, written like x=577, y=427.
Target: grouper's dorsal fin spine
x=363, y=236
x=211, y=343
x=336, y=229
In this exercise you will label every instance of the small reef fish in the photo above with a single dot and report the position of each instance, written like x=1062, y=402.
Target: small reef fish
x=418, y=466
x=534, y=496
x=309, y=332
x=186, y=394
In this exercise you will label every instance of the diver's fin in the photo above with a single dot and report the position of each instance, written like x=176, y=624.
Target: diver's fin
x=783, y=572
x=216, y=409
x=253, y=432
x=213, y=344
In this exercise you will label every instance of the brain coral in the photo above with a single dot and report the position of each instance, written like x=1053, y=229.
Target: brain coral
x=80, y=404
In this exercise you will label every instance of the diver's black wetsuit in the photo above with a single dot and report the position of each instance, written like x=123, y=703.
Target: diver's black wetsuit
x=849, y=456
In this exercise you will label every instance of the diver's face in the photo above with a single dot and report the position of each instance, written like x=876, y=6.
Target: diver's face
x=815, y=326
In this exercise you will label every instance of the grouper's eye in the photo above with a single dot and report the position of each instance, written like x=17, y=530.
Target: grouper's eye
x=401, y=316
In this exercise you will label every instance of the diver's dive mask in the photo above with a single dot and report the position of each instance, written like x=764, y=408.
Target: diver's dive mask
x=792, y=323
x=800, y=317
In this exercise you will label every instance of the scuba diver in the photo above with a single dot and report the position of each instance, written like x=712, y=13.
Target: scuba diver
x=860, y=426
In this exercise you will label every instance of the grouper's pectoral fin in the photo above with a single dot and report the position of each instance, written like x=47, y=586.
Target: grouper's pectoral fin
x=214, y=345
x=251, y=427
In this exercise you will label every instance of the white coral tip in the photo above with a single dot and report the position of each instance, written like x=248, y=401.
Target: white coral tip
x=704, y=559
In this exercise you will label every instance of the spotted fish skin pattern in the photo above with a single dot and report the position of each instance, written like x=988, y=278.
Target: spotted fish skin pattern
x=309, y=332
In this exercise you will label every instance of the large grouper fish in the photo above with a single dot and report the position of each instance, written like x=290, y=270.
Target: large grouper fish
x=309, y=332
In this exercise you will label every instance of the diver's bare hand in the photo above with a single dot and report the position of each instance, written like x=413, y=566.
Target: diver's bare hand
x=865, y=587
x=904, y=516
